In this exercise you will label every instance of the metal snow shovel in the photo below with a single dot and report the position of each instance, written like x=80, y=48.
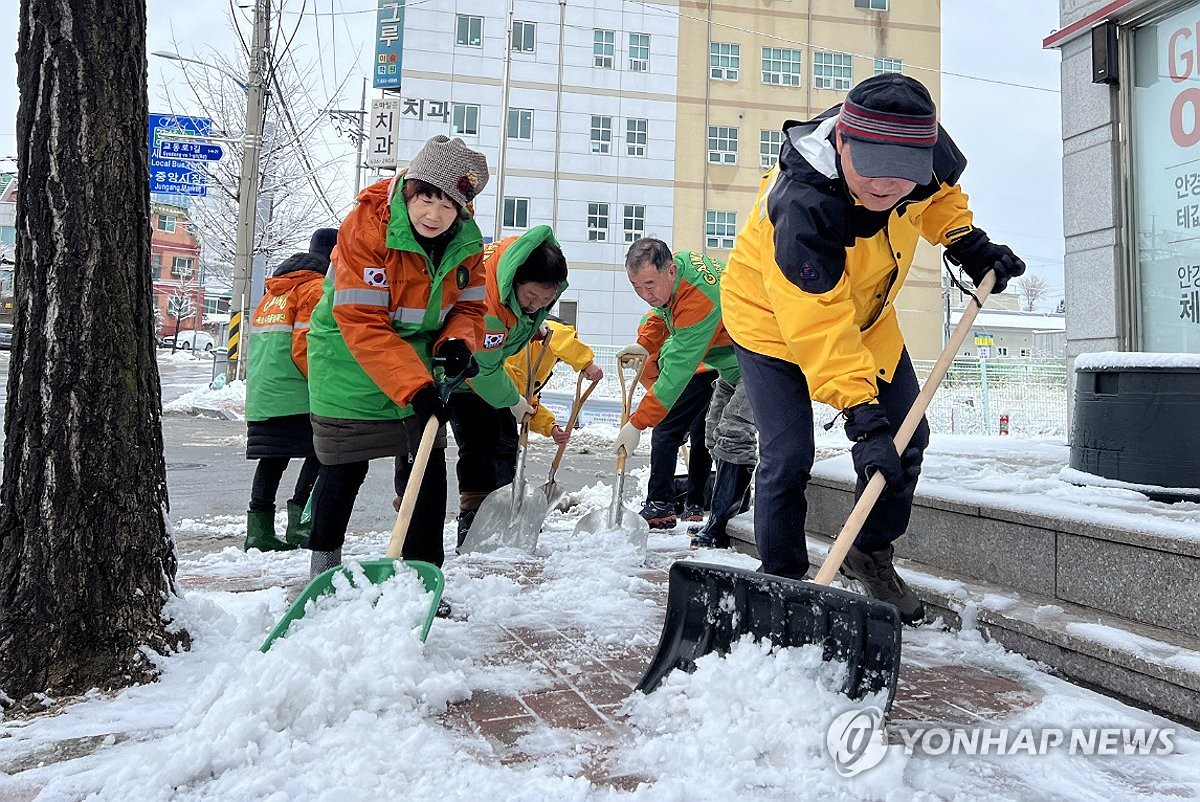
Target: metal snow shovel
x=379, y=571
x=618, y=517
x=710, y=607
x=551, y=489
x=512, y=516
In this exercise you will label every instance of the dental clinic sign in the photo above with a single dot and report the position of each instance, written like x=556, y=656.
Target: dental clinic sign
x=1166, y=147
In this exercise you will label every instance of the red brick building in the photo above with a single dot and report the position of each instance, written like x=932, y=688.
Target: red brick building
x=175, y=263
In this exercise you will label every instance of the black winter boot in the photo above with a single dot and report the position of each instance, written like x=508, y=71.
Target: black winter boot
x=874, y=570
x=729, y=494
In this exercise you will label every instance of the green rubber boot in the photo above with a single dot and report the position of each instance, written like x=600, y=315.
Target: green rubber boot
x=260, y=532
x=299, y=527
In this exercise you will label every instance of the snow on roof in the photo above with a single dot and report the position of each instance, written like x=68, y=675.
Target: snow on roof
x=1008, y=319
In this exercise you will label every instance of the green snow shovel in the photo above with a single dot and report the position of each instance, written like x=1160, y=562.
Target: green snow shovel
x=619, y=517
x=379, y=571
x=512, y=516
x=710, y=607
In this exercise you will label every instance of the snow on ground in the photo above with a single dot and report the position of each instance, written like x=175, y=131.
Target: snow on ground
x=347, y=706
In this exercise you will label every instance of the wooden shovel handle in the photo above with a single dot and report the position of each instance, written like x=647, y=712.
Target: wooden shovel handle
x=862, y=508
x=637, y=364
x=412, y=489
x=576, y=407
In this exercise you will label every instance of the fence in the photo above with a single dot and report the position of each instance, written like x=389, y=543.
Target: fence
x=1019, y=397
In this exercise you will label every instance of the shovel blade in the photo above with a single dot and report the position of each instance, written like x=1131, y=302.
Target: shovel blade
x=710, y=607
x=628, y=522
x=501, y=524
x=376, y=572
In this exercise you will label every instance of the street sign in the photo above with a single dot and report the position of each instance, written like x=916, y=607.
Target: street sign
x=389, y=43
x=384, y=126
x=183, y=149
x=174, y=174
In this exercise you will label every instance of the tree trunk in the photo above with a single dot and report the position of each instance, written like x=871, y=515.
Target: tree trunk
x=86, y=564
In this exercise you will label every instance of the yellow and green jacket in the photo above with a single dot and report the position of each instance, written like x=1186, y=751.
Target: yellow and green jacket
x=814, y=275
x=695, y=335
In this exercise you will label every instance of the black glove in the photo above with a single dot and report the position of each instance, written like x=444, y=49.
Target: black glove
x=976, y=254
x=873, y=450
x=428, y=403
x=456, y=356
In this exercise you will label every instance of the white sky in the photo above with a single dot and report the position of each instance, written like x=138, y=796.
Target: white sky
x=999, y=100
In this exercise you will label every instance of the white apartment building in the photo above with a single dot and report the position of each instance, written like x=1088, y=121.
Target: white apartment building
x=589, y=144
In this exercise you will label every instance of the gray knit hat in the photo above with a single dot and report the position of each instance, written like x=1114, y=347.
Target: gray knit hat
x=452, y=167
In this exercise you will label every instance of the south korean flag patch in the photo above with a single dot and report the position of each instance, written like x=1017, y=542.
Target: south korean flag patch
x=494, y=339
x=376, y=277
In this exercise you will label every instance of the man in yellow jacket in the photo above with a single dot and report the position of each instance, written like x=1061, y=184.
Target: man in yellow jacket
x=808, y=298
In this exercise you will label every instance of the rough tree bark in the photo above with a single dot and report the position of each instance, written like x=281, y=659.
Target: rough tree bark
x=86, y=564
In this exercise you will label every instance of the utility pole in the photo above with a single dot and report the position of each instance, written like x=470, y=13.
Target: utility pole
x=352, y=123
x=504, y=87
x=248, y=191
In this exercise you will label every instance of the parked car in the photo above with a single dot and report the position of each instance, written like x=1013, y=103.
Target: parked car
x=6, y=332
x=191, y=339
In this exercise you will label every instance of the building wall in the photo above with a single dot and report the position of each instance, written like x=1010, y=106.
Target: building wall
x=164, y=247
x=560, y=175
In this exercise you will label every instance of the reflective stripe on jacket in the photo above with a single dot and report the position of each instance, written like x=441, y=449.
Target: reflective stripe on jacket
x=277, y=368
x=813, y=275
x=695, y=334
x=386, y=308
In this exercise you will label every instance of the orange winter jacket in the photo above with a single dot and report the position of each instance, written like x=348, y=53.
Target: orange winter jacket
x=386, y=308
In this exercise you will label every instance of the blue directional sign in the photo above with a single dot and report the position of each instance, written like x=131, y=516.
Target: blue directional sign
x=202, y=151
x=171, y=172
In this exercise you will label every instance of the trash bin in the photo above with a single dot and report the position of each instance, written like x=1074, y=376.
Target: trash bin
x=220, y=358
x=1135, y=421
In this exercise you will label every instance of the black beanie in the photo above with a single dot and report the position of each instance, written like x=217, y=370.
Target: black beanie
x=322, y=242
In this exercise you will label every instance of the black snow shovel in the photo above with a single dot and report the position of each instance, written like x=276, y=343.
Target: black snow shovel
x=710, y=607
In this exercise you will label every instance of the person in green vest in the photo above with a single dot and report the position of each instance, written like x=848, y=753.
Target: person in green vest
x=525, y=276
x=278, y=427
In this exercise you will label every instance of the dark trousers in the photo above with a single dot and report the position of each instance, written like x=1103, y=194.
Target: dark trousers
x=779, y=395
x=507, y=445
x=338, y=485
x=685, y=421
x=479, y=429
x=269, y=474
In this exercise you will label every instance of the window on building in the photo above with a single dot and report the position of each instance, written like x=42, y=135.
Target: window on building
x=469, y=30
x=1001, y=350
x=719, y=229
x=1026, y=352
x=601, y=134
x=516, y=213
x=604, y=48
x=883, y=65
x=597, y=222
x=724, y=60
x=212, y=306
x=464, y=119
x=520, y=124
x=181, y=266
x=636, y=134
x=722, y=144
x=639, y=52
x=166, y=222
x=156, y=263
x=769, y=143
x=568, y=312
x=872, y=5
x=780, y=66
x=832, y=70
x=633, y=221
x=524, y=36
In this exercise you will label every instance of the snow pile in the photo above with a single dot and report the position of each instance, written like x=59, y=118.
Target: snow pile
x=228, y=402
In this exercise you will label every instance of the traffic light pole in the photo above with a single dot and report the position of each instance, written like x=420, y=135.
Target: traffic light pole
x=248, y=192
